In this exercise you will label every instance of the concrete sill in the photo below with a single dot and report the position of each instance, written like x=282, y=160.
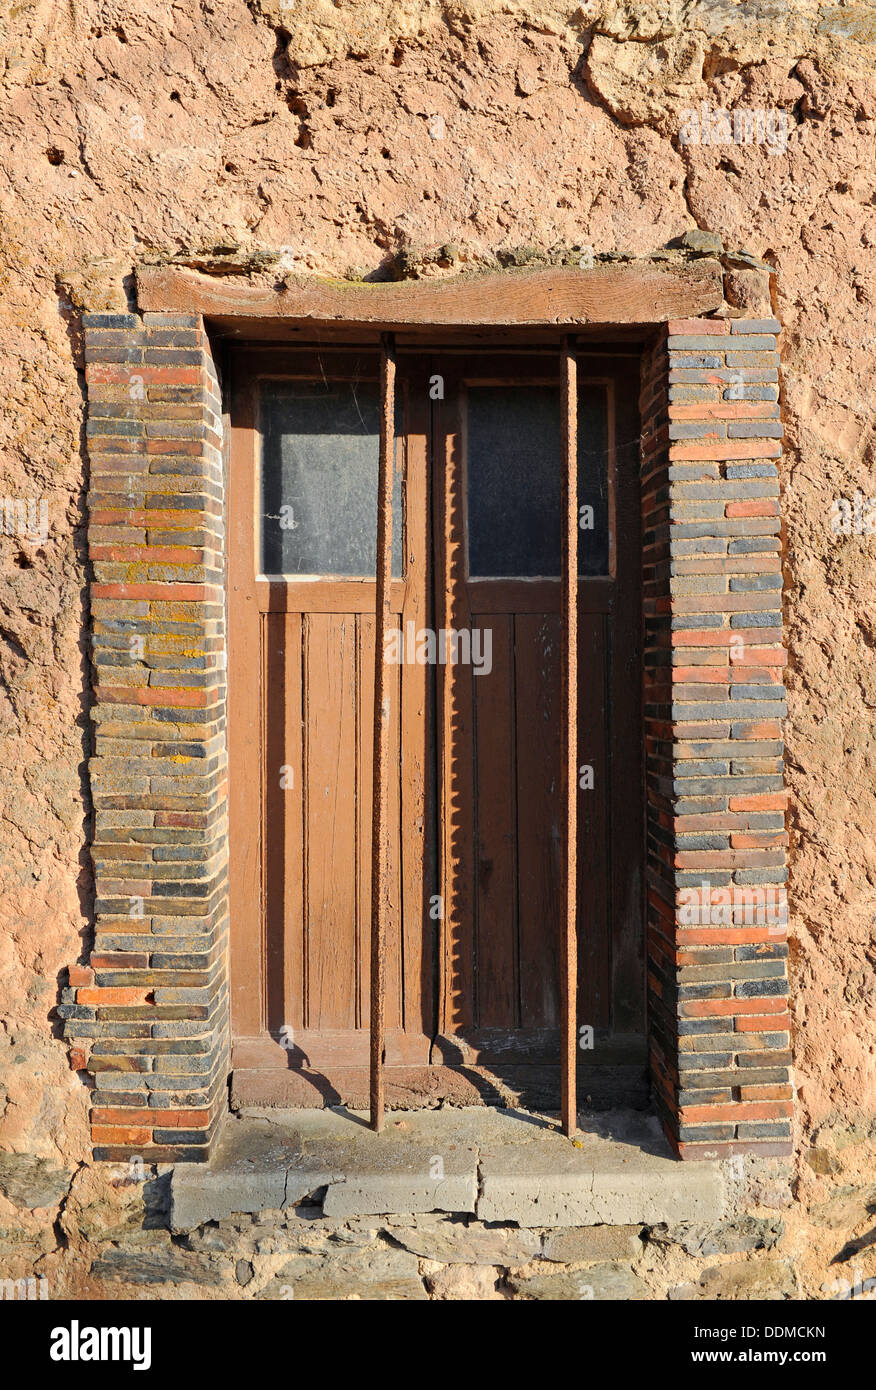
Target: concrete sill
x=498, y=1165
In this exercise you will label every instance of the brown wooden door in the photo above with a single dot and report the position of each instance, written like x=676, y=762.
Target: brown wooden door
x=301, y=695
x=477, y=859
x=497, y=500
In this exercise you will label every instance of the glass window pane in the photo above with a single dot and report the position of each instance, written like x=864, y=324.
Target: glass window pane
x=320, y=451
x=514, y=484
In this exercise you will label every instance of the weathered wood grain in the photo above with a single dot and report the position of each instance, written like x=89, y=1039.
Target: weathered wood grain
x=638, y=292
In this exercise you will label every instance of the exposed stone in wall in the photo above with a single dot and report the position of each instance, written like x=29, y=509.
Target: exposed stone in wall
x=112, y=1242
x=144, y=129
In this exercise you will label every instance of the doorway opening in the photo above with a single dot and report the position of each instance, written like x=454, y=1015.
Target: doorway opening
x=474, y=660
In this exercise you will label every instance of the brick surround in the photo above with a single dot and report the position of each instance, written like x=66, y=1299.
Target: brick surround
x=147, y=1016
x=714, y=702
x=149, y=1012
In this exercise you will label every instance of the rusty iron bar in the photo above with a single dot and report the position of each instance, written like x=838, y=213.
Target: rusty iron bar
x=380, y=847
x=569, y=779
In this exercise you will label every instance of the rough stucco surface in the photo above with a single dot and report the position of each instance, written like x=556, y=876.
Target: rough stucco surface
x=344, y=134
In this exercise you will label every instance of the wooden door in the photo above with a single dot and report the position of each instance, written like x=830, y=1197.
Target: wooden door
x=477, y=880
x=302, y=631
x=498, y=520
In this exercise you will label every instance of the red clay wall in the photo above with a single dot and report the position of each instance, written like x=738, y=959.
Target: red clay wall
x=441, y=137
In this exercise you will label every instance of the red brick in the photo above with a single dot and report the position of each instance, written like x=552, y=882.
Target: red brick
x=726, y=859
x=759, y=656
x=117, y=995
x=114, y=372
x=704, y=637
x=121, y=1115
x=113, y=1134
x=758, y=675
x=723, y=410
x=762, y=1023
x=153, y=554
x=174, y=591
x=181, y=1119
x=764, y=728
x=760, y=801
x=701, y=675
x=721, y=1008
x=760, y=506
x=696, y=328
x=78, y=1059
x=731, y=449
x=80, y=976
x=174, y=697
x=185, y=448
x=726, y=936
x=734, y=1112
x=766, y=1092
x=121, y=960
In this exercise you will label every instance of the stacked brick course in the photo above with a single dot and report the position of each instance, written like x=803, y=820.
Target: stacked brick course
x=149, y=1012
x=714, y=702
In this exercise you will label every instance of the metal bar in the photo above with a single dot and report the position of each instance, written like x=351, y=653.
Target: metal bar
x=380, y=848
x=569, y=780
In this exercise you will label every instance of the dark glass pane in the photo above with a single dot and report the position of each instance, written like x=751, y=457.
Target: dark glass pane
x=514, y=466
x=320, y=450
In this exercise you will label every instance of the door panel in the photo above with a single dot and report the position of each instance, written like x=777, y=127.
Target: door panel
x=310, y=924
x=502, y=864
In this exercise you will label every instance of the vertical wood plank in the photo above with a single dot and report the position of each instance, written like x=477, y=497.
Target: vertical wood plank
x=330, y=820
x=365, y=628
x=456, y=735
x=416, y=719
x=282, y=811
x=380, y=856
x=594, y=850
x=540, y=815
x=244, y=721
x=496, y=831
x=569, y=778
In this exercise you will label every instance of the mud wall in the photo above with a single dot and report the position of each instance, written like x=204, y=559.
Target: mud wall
x=369, y=139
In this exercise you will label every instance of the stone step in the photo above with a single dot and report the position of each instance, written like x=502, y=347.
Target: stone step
x=513, y=1167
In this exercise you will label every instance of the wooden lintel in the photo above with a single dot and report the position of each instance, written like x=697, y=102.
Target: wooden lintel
x=637, y=292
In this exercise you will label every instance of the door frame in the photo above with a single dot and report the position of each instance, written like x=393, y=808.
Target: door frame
x=454, y=1065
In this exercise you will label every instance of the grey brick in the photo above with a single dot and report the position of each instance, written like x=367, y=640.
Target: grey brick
x=750, y=709
x=730, y=786
x=706, y=342
x=764, y=619
x=757, y=692
x=752, y=545
x=752, y=393
x=772, y=1129
x=765, y=469
x=755, y=583
x=697, y=429
x=778, y=875
x=755, y=429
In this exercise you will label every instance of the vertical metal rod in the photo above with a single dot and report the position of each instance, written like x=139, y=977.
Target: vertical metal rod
x=380, y=795
x=569, y=780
